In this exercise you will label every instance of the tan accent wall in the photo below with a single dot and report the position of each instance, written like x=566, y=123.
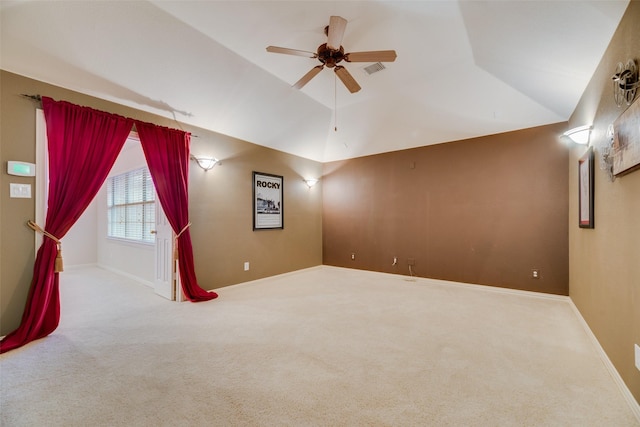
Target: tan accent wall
x=220, y=202
x=604, y=262
x=483, y=211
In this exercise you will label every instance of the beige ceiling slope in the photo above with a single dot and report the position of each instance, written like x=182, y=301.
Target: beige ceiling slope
x=546, y=51
x=136, y=54
x=464, y=69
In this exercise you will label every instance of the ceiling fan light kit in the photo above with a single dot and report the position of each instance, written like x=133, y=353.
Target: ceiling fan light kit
x=331, y=53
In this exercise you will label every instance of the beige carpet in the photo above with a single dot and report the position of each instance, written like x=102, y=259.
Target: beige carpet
x=320, y=347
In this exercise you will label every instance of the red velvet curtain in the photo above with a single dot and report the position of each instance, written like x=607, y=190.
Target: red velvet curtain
x=167, y=154
x=83, y=145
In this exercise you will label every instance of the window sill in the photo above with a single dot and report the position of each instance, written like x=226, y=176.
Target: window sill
x=133, y=243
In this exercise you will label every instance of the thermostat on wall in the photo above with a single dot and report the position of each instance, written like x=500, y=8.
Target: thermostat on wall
x=21, y=168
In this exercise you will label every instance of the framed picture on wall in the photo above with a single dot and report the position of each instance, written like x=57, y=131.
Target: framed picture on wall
x=626, y=141
x=268, y=203
x=585, y=190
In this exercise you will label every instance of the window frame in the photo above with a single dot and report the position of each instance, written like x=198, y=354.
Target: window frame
x=131, y=206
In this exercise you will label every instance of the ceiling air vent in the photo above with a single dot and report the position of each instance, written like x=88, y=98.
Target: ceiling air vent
x=374, y=68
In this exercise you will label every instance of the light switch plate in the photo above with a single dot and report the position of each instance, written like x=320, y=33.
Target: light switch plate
x=20, y=191
x=637, y=356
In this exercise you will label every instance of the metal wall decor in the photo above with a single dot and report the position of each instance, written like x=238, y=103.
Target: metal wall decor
x=606, y=154
x=625, y=82
x=626, y=141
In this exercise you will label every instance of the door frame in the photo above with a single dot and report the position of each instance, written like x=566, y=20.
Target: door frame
x=41, y=195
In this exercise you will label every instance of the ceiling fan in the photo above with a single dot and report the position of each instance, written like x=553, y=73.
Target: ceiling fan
x=331, y=53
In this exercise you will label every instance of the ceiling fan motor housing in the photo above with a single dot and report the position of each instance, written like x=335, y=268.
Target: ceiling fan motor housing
x=330, y=57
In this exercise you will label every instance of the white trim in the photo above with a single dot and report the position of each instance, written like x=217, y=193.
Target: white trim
x=626, y=393
x=80, y=266
x=263, y=279
x=469, y=286
x=131, y=242
x=42, y=174
x=125, y=274
x=180, y=296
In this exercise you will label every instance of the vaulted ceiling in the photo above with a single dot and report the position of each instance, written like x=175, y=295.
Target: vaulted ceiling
x=464, y=68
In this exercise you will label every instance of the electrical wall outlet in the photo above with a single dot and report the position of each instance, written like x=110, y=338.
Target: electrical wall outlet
x=246, y=266
x=411, y=261
x=535, y=273
x=353, y=255
x=637, y=348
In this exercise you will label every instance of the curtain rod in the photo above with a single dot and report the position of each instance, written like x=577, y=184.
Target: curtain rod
x=38, y=98
x=32, y=97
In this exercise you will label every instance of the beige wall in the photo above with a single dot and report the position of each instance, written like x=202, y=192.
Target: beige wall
x=220, y=202
x=221, y=205
x=604, y=262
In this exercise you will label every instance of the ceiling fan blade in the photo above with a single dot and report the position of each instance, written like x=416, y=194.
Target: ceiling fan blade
x=311, y=74
x=337, y=25
x=347, y=79
x=371, y=56
x=287, y=51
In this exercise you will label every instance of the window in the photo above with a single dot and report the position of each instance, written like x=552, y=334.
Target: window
x=131, y=208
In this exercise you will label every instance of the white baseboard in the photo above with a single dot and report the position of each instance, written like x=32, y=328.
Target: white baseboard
x=252, y=282
x=80, y=266
x=633, y=404
x=470, y=286
x=127, y=275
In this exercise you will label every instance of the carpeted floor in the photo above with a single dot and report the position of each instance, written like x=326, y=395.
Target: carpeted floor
x=319, y=347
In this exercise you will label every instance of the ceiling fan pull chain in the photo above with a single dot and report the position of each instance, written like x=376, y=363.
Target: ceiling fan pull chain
x=335, y=103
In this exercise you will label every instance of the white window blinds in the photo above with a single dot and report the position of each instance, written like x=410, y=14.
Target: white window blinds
x=131, y=209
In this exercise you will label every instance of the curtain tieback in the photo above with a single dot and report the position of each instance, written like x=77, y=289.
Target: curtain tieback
x=58, y=267
x=175, y=246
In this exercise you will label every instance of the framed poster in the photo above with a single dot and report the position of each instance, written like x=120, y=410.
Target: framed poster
x=585, y=190
x=267, y=201
x=626, y=141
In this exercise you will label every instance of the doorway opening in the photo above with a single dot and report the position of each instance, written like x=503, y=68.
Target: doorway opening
x=88, y=244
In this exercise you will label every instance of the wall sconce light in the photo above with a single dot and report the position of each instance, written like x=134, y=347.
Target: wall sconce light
x=579, y=135
x=206, y=163
x=310, y=182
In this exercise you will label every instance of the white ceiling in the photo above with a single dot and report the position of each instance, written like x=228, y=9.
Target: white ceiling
x=464, y=68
